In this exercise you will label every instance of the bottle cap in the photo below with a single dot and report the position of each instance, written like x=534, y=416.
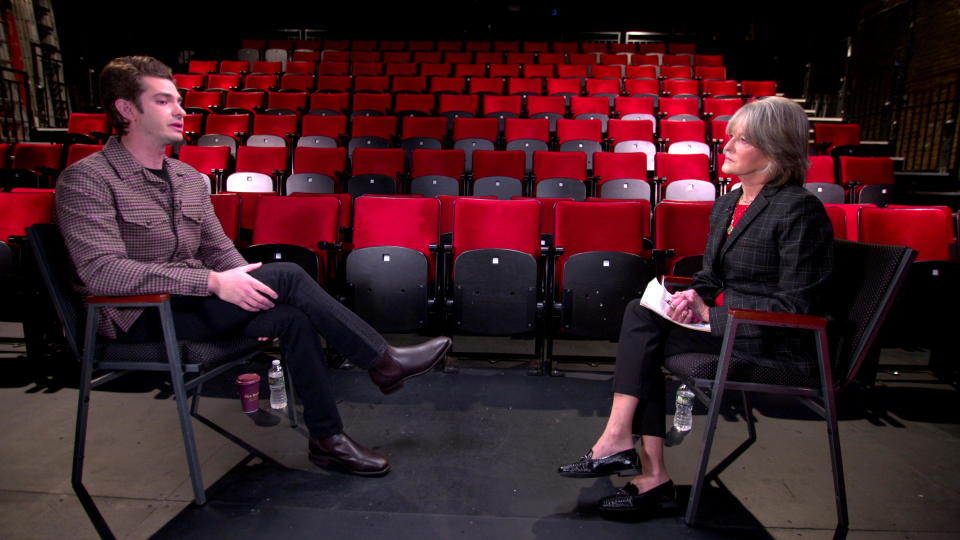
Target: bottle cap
x=276, y=362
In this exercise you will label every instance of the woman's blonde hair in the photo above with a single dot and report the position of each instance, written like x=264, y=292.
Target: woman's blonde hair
x=780, y=129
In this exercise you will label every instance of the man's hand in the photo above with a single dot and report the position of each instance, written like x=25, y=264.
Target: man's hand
x=687, y=307
x=238, y=287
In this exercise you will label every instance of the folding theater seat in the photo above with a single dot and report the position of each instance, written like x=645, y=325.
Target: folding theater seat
x=376, y=171
x=33, y=165
x=250, y=100
x=329, y=103
x=203, y=100
x=331, y=67
x=565, y=88
x=422, y=133
x=447, y=203
x=680, y=236
x=370, y=105
x=260, y=81
x=316, y=170
x=391, y=273
x=186, y=82
x=224, y=81
x=524, y=86
x=297, y=81
x=633, y=136
x=447, y=85
x=267, y=66
x=496, y=285
x=427, y=56
x=414, y=104
x=362, y=69
x=471, y=134
x=375, y=84
x=258, y=169
x=580, y=136
x=394, y=70
x=867, y=179
x=202, y=66
x=502, y=107
x=437, y=172
x=372, y=132
x=642, y=72
x=600, y=268
x=322, y=131
x=226, y=206
x=470, y=70
x=499, y=174
x=457, y=57
x=684, y=108
x=231, y=125
x=560, y=174
x=521, y=58
x=573, y=71
x=295, y=101
x=591, y=108
x=681, y=88
x=90, y=128
x=213, y=161
x=504, y=70
x=410, y=84
x=301, y=230
x=684, y=177
x=622, y=176
x=755, y=89
x=435, y=70
x=721, y=89
x=76, y=152
x=527, y=134
x=605, y=88
x=684, y=137
x=821, y=182
x=826, y=137
x=539, y=72
x=365, y=53
x=454, y=106
x=642, y=87
x=334, y=83
x=609, y=72
x=20, y=210
x=552, y=58
x=676, y=72
x=676, y=60
x=273, y=130
x=582, y=59
x=301, y=67
x=934, y=274
x=551, y=108
x=708, y=59
x=635, y=108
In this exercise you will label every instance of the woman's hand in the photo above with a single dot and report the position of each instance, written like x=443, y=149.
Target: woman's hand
x=687, y=307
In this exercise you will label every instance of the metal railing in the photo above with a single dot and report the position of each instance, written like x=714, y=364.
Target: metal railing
x=16, y=117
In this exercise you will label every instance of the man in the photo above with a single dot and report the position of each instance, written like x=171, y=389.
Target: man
x=136, y=222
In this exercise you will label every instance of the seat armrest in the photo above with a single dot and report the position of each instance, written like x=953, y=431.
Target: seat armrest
x=775, y=318
x=677, y=281
x=128, y=301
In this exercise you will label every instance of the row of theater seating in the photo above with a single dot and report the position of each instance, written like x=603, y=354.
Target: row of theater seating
x=438, y=79
x=291, y=46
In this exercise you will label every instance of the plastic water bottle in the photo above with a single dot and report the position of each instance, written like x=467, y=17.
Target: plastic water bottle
x=278, y=387
x=683, y=417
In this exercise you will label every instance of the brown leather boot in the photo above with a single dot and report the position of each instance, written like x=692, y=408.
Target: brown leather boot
x=348, y=455
x=401, y=363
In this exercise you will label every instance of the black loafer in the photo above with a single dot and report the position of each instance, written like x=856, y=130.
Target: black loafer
x=626, y=463
x=628, y=500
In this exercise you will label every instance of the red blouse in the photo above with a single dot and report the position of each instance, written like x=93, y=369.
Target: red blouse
x=738, y=212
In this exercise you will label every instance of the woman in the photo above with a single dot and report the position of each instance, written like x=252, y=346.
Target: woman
x=769, y=248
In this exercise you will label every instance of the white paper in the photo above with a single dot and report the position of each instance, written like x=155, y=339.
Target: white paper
x=655, y=297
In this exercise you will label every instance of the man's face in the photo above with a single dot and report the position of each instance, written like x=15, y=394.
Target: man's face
x=159, y=117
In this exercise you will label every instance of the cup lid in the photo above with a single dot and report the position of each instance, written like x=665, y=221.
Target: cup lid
x=248, y=378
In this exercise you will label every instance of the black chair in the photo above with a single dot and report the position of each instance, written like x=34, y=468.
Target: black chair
x=866, y=278
x=190, y=364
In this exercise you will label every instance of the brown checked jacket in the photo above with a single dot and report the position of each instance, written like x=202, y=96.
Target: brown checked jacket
x=131, y=232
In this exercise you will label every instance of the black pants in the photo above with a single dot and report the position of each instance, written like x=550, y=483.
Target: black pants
x=645, y=340
x=302, y=313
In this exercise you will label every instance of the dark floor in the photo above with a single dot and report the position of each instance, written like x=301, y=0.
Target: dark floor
x=474, y=455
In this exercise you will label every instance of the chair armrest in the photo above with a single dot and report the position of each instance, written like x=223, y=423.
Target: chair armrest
x=128, y=301
x=677, y=281
x=773, y=318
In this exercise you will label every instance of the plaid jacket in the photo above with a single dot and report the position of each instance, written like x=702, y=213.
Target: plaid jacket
x=131, y=232
x=778, y=258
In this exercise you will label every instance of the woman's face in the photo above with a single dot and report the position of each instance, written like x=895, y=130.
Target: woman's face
x=743, y=159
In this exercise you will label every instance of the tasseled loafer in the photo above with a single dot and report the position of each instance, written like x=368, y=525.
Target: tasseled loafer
x=625, y=463
x=629, y=500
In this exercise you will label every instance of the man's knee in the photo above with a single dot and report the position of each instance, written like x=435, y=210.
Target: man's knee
x=279, y=272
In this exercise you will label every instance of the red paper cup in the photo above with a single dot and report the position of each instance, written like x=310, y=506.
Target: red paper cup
x=249, y=386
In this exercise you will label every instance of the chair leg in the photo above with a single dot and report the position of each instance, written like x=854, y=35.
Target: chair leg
x=748, y=416
x=839, y=487
x=80, y=435
x=291, y=398
x=180, y=393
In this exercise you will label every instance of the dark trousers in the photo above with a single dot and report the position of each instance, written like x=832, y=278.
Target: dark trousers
x=645, y=340
x=302, y=313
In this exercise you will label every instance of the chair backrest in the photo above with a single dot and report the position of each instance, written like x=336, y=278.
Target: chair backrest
x=598, y=226
x=862, y=287
x=18, y=211
x=927, y=230
x=52, y=258
x=301, y=221
x=482, y=224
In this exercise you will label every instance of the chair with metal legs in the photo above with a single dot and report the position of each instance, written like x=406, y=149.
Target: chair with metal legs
x=190, y=363
x=864, y=283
